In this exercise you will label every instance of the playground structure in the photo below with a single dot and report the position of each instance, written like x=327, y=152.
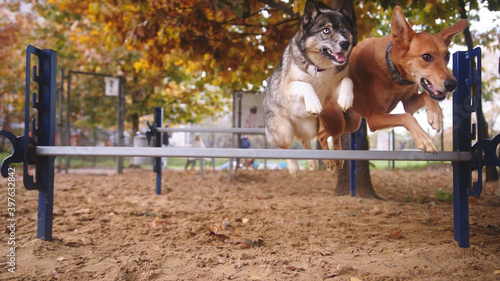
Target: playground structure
x=36, y=146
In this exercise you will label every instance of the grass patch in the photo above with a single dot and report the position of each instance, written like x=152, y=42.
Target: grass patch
x=443, y=195
x=405, y=165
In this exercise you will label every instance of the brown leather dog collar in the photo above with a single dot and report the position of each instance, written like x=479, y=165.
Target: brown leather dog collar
x=393, y=70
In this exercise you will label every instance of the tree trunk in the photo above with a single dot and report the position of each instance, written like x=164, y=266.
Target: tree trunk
x=491, y=171
x=135, y=124
x=364, y=186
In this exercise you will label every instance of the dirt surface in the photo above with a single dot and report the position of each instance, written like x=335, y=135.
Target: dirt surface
x=264, y=225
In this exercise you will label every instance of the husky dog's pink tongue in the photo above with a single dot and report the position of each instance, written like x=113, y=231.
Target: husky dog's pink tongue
x=340, y=57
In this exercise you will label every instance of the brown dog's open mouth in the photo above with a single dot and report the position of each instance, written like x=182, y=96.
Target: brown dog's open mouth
x=336, y=57
x=435, y=94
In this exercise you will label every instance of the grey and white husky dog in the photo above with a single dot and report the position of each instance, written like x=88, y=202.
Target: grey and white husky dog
x=312, y=70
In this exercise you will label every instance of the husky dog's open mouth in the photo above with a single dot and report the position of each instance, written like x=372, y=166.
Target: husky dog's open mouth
x=433, y=93
x=339, y=58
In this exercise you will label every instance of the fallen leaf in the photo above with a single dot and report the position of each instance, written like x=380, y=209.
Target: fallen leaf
x=396, y=235
x=240, y=263
x=225, y=223
x=376, y=210
x=340, y=269
x=220, y=236
x=293, y=268
x=496, y=272
x=350, y=214
x=245, y=220
x=158, y=222
x=247, y=243
x=255, y=277
x=321, y=251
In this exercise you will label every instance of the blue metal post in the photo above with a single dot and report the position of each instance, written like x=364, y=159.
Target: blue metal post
x=462, y=171
x=158, y=120
x=41, y=132
x=46, y=137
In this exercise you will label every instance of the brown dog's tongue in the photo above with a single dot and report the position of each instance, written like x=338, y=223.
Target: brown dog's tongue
x=340, y=57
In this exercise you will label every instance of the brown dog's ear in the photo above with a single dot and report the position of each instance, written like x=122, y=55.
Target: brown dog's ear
x=401, y=30
x=450, y=32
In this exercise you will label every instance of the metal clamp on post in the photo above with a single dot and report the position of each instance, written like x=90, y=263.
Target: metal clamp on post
x=152, y=132
x=473, y=83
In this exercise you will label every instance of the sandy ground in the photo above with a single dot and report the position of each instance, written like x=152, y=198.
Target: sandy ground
x=264, y=225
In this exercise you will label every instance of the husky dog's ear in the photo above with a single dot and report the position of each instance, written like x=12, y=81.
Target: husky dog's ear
x=347, y=8
x=450, y=32
x=311, y=11
x=401, y=30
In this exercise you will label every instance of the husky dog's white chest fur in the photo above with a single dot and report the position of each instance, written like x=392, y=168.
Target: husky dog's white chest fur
x=312, y=88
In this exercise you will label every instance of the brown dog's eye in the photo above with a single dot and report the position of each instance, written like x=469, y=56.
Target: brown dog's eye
x=427, y=57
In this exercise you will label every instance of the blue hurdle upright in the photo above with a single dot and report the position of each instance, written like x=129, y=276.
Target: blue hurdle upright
x=36, y=146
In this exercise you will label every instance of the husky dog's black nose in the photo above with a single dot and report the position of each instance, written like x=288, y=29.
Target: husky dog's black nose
x=450, y=84
x=344, y=45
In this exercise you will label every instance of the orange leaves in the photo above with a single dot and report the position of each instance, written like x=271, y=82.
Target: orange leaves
x=225, y=232
x=396, y=235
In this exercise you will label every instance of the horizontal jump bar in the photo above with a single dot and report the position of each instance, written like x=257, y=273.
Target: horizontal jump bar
x=214, y=130
x=251, y=153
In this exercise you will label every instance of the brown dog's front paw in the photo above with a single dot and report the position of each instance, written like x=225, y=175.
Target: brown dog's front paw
x=330, y=164
x=435, y=118
x=426, y=145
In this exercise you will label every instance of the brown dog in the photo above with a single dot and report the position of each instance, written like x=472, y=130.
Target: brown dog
x=389, y=70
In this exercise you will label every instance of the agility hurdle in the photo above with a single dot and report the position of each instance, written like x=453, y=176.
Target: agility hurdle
x=156, y=129
x=36, y=146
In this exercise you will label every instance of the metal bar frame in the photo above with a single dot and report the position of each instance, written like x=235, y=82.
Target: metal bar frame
x=252, y=153
x=214, y=130
x=120, y=113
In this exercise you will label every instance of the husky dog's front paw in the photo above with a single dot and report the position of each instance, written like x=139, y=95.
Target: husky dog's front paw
x=345, y=102
x=346, y=94
x=293, y=167
x=313, y=164
x=313, y=106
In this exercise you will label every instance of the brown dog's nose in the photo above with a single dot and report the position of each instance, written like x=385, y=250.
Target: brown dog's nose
x=450, y=84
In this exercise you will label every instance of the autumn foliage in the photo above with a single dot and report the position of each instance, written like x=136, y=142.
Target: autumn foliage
x=187, y=56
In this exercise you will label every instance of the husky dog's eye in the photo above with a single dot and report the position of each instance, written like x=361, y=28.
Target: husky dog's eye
x=342, y=28
x=427, y=57
x=326, y=30
x=447, y=57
